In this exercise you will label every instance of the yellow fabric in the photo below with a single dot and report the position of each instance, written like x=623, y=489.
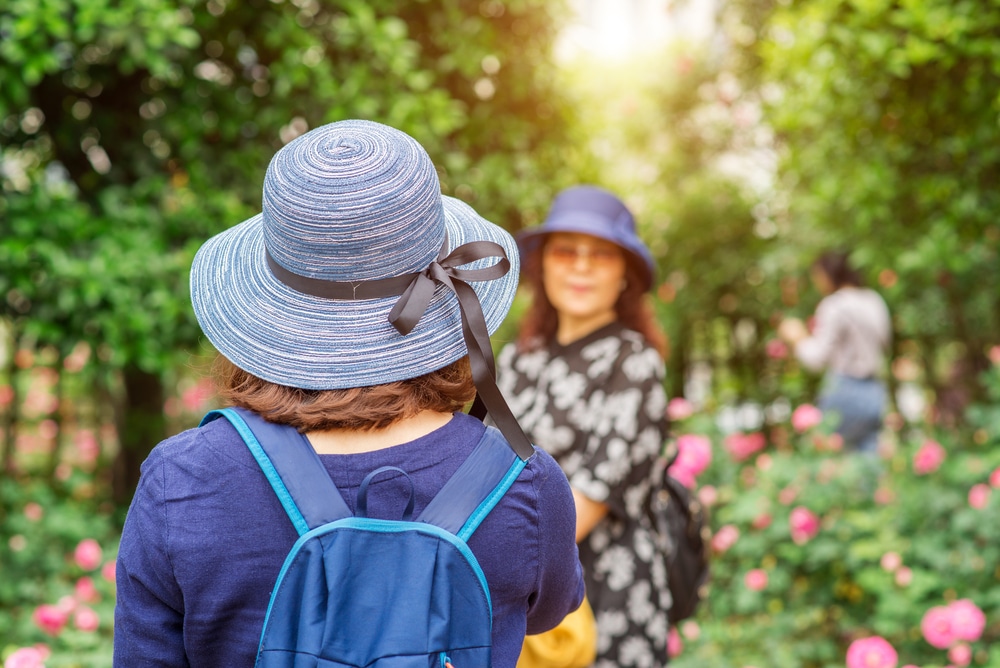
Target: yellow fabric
x=572, y=644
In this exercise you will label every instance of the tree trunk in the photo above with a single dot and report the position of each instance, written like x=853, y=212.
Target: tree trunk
x=141, y=425
x=10, y=416
x=55, y=456
x=677, y=361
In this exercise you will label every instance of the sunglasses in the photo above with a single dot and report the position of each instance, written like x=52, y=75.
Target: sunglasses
x=569, y=253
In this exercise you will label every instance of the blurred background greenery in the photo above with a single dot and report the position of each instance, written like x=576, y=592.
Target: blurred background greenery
x=746, y=143
x=747, y=135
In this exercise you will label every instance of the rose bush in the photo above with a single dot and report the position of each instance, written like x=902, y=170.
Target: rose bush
x=815, y=551
x=57, y=592
x=824, y=558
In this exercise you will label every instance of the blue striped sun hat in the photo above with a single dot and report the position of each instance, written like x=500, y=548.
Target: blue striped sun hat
x=353, y=231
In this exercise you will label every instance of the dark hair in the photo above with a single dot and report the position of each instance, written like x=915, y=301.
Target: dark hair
x=361, y=408
x=836, y=265
x=540, y=322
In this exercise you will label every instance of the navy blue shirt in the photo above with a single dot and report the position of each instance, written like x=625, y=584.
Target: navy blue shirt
x=205, y=538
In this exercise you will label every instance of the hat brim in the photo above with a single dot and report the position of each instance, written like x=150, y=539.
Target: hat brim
x=581, y=222
x=298, y=340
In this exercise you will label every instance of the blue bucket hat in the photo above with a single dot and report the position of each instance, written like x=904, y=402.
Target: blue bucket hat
x=358, y=271
x=594, y=211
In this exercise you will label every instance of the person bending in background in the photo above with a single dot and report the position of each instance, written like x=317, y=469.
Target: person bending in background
x=851, y=334
x=585, y=380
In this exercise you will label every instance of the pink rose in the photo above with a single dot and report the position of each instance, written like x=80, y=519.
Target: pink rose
x=26, y=657
x=995, y=477
x=755, y=579
x=48, y=429
x=674, y=644
x=994, y=354
x=831, y=443
x=804, y=524
x=50, y=618
x=679, y=408
x=891, y=561
x=979, y=496
x=86, y=619
x=928, y=458
x=904, y=576
x=873, y=652
x=884, y=496
x=805, y=417
x=85, y=591
x=197, y=397
x=960, y=654
x=776, y=349
x=108, y=571
x=967, y=620
x=33, y=511
x=835, y=442
x=741, y=445
x=762, y=521
x=725, y=538
x=87, y=445
x=88, y=554
x=694, y=453
x=788, y=494
x=937, y=627
x=708, y=495
x=690, y=630
x=683, y=476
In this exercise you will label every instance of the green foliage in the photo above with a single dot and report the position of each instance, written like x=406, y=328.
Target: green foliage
x=42, y=38
x=78, y=277
x=820, y=124
x=156, y=120
x=682, y=141
x=132, y=131
x=883, y=114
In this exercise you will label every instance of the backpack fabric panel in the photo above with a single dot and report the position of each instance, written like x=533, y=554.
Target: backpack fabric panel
x=377, y=617
x=357, y=591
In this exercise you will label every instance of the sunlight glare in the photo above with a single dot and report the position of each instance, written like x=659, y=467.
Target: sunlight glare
x=618, y=30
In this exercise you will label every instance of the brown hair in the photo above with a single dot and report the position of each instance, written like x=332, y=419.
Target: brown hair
x=358, y=408
x=837, y=266
x=539, y=324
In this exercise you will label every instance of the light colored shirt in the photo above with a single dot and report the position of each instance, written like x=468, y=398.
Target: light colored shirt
x=851, y=334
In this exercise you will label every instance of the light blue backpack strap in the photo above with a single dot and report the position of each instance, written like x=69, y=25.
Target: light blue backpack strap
x=476, y=487
x=293, y=468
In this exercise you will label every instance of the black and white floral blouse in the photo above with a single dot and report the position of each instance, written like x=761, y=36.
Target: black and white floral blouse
x=598, y=407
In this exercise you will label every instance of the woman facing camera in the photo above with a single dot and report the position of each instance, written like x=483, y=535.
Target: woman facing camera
x=585, y=380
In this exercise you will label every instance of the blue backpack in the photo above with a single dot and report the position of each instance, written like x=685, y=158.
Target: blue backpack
x=357, y=591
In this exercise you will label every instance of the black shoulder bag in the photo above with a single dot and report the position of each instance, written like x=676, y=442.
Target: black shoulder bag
x=681, y=534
